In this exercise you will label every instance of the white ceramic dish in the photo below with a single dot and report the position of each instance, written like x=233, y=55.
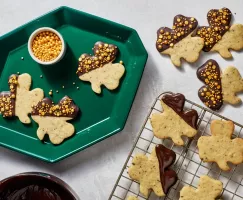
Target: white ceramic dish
x=38, y=31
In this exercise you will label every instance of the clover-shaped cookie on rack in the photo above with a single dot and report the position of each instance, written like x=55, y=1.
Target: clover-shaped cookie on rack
x=52, y=119
x=220, y=147
x=132, y=198
x=174, y=122
x=219, y=88
x=219, y=35
x=99, y=69
x=154, y=172
x=177, y=42
x=208, y=189
x=18, y=101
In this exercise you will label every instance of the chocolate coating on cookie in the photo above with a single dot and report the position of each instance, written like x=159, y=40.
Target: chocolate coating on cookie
x=166, y=158
x=103, y=53
x=7, y=99
x=219, y=24
x=177, y=102
x=65, y=108
x=211, y=93
x=182, y=27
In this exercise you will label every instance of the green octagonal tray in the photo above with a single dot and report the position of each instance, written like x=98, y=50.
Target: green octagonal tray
x=102, y=115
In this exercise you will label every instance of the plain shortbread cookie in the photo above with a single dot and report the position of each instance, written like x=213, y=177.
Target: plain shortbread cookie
x=208, y=189
x=219, y=147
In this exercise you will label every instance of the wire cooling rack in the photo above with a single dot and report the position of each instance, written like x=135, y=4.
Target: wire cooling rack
x=188, y=165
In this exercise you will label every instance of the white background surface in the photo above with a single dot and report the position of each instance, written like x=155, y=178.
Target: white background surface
x=93, y=172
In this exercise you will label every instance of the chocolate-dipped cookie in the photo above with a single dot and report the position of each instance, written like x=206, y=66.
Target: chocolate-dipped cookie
x=174, y=122
x=177, y=42
x=210, y=94
x=219, y=35
x=52, y=119
x=219, y=88
x=99, y=69
x=18, y=101
x=154, y=172
x=8, y=98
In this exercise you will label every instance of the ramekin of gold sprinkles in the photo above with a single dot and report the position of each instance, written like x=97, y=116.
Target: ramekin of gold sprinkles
x=46, y=46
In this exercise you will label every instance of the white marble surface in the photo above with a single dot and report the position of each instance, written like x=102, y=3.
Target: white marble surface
x=93, y=172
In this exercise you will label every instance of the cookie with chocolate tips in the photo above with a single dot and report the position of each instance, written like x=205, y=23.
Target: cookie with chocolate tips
x=18, y=101
x=177, y=42
x=219, y=88
x=52, y=119
x=99, y=69
x=154, y=172
x=219, y=36
x=174, y=122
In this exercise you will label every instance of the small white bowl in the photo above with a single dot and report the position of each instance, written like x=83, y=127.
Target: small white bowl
x=32, y=37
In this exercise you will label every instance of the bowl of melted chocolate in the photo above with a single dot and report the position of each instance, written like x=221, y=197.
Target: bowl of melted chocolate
x=35, y=186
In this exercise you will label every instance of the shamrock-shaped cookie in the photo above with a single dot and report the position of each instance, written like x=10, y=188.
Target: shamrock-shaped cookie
x=52, y=119
x=219, y=88
x=219, y=36
x=219, y=147
x=132, y=198
x=208, y=189
x=174, y=122
x=99, y=69
x=177, y=42
x=153, y=172
x=232, y=83
x=18, y=101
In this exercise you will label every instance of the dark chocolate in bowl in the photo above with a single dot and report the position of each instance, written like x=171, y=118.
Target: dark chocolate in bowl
x=35, y=186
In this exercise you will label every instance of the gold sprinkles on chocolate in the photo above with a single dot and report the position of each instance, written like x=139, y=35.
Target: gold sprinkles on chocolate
x=7, y=99
x=65, y=108
x=211, y=94
x=182, y=27
x=103, y=53
x=219, y=24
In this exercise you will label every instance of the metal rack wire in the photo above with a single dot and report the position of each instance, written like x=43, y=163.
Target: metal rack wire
x=188, y=165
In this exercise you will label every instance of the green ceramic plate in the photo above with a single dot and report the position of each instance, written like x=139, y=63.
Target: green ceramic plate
x=102, y=115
